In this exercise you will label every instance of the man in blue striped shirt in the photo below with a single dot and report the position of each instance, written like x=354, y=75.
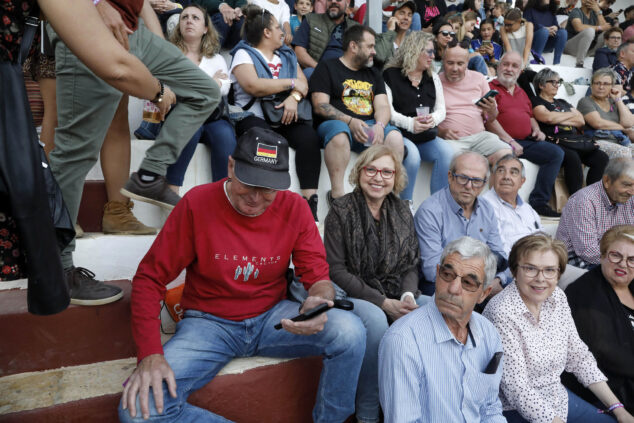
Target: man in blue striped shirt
x=442, y=362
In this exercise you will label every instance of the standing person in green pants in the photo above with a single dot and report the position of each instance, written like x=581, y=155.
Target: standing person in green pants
x=86, y=106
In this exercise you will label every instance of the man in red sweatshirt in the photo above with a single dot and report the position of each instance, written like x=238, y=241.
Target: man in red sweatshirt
x=236, y=238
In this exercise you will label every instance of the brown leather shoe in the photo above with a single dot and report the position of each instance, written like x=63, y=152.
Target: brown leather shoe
x=118, y=219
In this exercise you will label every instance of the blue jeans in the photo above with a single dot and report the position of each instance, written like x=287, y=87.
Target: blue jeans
x=439, y=153
x=549, y=157
x=204, y=343
x=229, y=34
x=411, y=162
x=220, y=137
x=478, y=64
x=543, y=42
x=579, y=411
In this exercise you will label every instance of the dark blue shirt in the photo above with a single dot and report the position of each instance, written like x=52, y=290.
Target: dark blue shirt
x=540, y=18
x=334, y=48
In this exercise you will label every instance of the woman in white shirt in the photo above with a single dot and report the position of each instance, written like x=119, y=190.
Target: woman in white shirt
x=263, y=67
x=198, y=40
x=540, y=341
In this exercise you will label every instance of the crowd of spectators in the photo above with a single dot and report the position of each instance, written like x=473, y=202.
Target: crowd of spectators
x=324, y=80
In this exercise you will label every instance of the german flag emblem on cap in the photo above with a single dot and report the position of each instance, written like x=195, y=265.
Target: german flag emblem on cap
x=265, y=150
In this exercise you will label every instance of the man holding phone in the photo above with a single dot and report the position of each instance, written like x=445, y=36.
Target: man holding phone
x=463, y=89
x=235, y=238
x=515, y=124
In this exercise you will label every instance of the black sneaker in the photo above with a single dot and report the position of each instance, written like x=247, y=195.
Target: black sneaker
x=312, y=203
x=546, y=211
x=156, y=192
x=85, y=290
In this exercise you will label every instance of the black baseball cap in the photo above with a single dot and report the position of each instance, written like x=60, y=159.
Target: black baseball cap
x=408, y=3
x=261, y=159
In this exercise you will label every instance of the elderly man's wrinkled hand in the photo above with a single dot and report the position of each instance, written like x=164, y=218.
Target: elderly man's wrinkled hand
x=312, y=326
x=151, y=372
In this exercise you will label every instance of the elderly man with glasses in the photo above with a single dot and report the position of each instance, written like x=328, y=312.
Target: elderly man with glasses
x=442, y=362
x=457, y=211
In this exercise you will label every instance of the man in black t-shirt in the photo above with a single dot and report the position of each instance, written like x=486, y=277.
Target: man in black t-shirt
x=349, y=99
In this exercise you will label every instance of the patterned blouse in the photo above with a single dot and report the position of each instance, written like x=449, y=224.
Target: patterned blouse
x=536, y=353
x=13, y=14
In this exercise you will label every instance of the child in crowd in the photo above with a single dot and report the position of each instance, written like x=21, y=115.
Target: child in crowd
x=455, y=20
x=488, y=49
x=302, y=8
x=517, y=34
x=282, y=13
x=488, y=8
x=498, y=12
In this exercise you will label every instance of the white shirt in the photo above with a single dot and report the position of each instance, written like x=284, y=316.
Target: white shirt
x=281, y=11
x=211, y=65
x=513, y=223
x=241, y=97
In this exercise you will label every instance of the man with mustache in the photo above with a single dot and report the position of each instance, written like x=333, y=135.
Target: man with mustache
x=516, y=125
x=442, y=362
x=516, y=218
x=456, y=211
x=320, y=37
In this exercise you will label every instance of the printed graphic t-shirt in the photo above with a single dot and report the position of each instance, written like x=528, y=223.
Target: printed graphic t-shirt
x=351, y=92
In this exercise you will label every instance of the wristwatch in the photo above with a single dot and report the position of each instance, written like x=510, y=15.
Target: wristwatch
x=159, y=96
x=297, y=96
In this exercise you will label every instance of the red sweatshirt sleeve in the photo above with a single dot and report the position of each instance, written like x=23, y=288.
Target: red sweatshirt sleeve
x=171, y=252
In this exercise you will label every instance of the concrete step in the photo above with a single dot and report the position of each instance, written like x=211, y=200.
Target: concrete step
x=78, y=335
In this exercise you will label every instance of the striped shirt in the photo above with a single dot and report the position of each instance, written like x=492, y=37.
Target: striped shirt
x=586, y=217
x=427, y=375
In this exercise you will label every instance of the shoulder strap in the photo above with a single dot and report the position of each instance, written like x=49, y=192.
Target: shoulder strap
x=31, y=25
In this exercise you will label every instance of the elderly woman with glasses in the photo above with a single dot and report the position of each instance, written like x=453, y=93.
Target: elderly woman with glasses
x=372, y=250
x=606, y=116
x=418, y=104
x=540, y=341
x=557, y=118
x=602, y=305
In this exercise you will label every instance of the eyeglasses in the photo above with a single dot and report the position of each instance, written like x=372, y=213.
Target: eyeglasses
x=616, y=258
x=469, y=282
x=532, y=271
x=464, y=180
x=448, y=33
x=602, y=84
x=555, y=82
x=385, y=173
x=429, y=52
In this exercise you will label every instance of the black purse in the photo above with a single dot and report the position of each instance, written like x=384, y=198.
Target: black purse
x=273, y=116
x=576, y=142
x=43, y=223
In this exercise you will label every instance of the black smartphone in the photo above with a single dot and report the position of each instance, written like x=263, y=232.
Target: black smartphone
x=490, y=94
x=308, y=314
x=493, y=365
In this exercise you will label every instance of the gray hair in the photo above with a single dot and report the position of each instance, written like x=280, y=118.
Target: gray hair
x=477, y=156
x=512, y=52
x=507, y=158
x=469, y=248
x=622, y=166
x=542, y=76
x=622, y=47
x=604, y=72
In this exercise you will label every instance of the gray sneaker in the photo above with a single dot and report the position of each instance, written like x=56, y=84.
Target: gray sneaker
x=157, y=192
x=85, y=290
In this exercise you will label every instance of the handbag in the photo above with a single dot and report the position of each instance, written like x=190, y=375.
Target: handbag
x=26, y=179
x=273, y=116
x=576, y=142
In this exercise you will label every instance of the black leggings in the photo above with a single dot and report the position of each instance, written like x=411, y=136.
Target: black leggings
x=596, y=161
x=303, y=139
